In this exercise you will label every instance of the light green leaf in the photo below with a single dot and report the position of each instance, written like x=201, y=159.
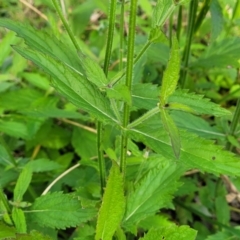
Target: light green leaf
x=6, y=231
x=195, y=152
x=196, y=103
x=14, y=129
x=172, y=130
x=223, y=235
x=22, y=184
x=216, y=19
x=72, y=85
x=113, y=205
x=19, y=220
x=58, y=210
x=156, y=35
x=93, y=71
x=44, y=42
x=37, y=80
x=152, y=193
x=171, y=233
x=43, y=165
x=171, y=74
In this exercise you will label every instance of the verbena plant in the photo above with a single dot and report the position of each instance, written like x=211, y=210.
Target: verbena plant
x=135, y=185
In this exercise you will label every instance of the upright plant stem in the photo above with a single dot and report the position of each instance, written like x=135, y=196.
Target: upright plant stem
x=191, y=21
x=121, y=30
x=111, y=24
x=179, y=23
x=128, y=83
x=234, y=122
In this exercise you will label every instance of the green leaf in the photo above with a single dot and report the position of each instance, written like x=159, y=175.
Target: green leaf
x=19, y=220
x=113, y=205
x=152, y=193
x=22, y=184
x=195, y=152
x=220, y=54
x=216, y=19
x=72, y=85
x=93, y=71
x=43, y=165
x=58, y=210
x=37, y=80
x=44, y=42
x=34, y=235
x=171, y=74
x=171, y=233
x=196, y=104
x=6, y=231
x=156, y=35
x=172, y=130
x=14, y=129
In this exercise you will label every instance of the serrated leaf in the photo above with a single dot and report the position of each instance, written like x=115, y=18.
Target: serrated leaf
x=93, y=71
x=19, y=220
x=120, y=92
x=22, y=184
x=44, y=42
x=171, y=233
x=58, y=210
x=171, y=74
x=43, y=165
x=172, y=130
x=72, y=85
x=196, y=152
x=197, y=103
x=113, y=205
x=216, y=19
x=152, y=193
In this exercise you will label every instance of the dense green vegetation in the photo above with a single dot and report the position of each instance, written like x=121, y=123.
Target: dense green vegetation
x=119, y=119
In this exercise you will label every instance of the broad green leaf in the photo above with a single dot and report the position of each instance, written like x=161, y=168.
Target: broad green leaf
x=196, y=104
x=171, y=74
x=113, y=205
x=172, y=130
x=195, y=152
x=34, y=235
x=58, y=210
x=44, y=42
x=223, y=235
x=88, y=146
x=19, y=220
x=14, y=129
x=72, y=85
x=93, y=72
x=6, y=231
x=43, y=165
x=171, y=233
x=37, y=80
x=22, y=184
x=152, y=193
x=156, y=35
x=219, y=54
x=216, y=19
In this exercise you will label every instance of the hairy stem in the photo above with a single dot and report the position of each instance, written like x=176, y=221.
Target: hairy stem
x=121, y=30
x=128, y=83
x=191, y=20
x=111, y=24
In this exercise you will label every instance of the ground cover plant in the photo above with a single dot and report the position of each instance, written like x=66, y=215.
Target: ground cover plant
x=119, y=119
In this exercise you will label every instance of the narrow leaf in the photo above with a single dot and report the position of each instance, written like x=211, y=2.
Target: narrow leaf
x=172, y=130
x=58, y=210
x=22, y=184
x=113, y=205
x=19, y=220
x=171, y=233
x=152, y=193
x=72, y=85
x=171, y=74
